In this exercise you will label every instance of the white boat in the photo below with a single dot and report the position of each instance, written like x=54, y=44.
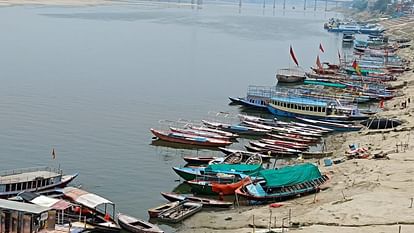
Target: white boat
x=290, y=75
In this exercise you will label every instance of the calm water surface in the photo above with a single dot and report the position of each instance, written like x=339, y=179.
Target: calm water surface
x=91, y=81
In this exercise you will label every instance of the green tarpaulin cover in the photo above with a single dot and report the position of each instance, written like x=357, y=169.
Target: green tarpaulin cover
x=242, y=168
x=290, y=175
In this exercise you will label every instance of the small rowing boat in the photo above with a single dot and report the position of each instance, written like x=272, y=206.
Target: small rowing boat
x=180, y=212
x=207, y=202
x=156, y=211
x=135, y=225
x=189, y=139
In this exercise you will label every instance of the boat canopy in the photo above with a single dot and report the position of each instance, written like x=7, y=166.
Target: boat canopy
x=290, y=175
x=241, y=168
x=45, y=201
x=85, y=198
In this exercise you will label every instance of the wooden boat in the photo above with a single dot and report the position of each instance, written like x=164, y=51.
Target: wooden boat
x=239, y=129
x=215, y=188
x=332, y=125
x=348, y=37
x=316, y=154
x=381, y=123
x=32, y=180
x=234, y=158
x=270, y=151
x=189, y=139
x=274, y=147
x=290, y=75
x=135, y=225
x=179, y=213
x=221, y=132
x=155, y=212
x=228, y=151
x=291, y=139
x=265, y=121
x=283, y=183
x=207, y=202
x=217, y=172
x=287, y=144
x=199, y=160
x=200, y=133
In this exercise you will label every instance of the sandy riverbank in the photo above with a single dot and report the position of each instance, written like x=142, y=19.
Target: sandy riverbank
x=364, y=195
x=53, y=2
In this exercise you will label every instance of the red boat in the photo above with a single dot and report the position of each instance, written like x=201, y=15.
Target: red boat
x=189, y=139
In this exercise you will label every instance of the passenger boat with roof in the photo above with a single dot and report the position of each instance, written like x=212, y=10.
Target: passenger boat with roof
x=257, y=97
x=313, y=108
x=33, y=180
x=103, y=211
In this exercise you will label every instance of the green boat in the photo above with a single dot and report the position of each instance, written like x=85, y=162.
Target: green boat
x=210, y=172
x=324, y=83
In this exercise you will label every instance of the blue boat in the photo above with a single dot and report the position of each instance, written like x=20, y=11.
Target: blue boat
x=295, y=106
x=257, y=97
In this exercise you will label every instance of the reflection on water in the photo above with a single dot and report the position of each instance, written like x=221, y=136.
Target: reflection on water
x=92, y=81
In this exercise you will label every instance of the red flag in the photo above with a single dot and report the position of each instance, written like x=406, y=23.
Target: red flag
x=53, y=154
x=318, y=63
x=356, y=67
x=321, y=48
x=292, y=54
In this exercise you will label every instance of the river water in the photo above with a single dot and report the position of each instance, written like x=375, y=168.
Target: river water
x=91, y=81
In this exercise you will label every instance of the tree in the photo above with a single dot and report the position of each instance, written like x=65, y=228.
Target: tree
x=360, y=4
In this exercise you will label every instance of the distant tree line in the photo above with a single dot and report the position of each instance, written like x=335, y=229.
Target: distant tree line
x=381, y=6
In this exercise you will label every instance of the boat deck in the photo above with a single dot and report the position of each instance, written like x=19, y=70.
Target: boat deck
x=27, y=176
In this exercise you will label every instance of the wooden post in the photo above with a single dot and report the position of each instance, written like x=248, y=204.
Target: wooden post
x=399, y=229
x=290, y=216
x=270, y=220
x=314, y=7
x=274, y=4
x=326, y=5
x=304, y=5
x=284, y=4
x=343, y=195
x=264, y=3
x=254, y=227
x=411, y=205
x=314, y=198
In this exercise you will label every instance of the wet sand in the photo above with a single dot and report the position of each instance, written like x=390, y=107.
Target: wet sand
x=364, y=195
